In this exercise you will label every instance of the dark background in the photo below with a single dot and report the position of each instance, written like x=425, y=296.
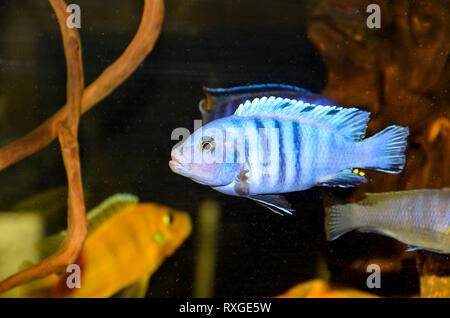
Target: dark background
x=125, y=140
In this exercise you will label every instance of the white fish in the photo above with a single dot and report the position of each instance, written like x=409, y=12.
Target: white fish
x=419, y=218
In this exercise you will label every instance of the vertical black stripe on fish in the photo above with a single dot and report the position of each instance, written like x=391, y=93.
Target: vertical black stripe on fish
x=308, y=152
x=263, y=140
x=251, y=136
x=300, y=154
x=315, y=152
x=247, y=147
x=263, y=151
x=297, y=140
x=281, y=155
x=236, y=134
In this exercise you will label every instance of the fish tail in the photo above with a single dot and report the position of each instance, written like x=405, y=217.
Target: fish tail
x=386, y=149
x=339, y=219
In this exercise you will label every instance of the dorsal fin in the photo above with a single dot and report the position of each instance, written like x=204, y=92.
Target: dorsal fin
x=109, y=207
x=250, y=89
x=350, y=122
x=223, y=102
x=377, y=198
x=95, y=217
x=220, y=102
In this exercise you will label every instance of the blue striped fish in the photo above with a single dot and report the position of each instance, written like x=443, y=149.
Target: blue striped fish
x=273, y=145
x=223, y=102
x=419, y=218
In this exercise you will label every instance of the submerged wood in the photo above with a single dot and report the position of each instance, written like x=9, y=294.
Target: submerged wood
x=400, y=73
x=64, y=125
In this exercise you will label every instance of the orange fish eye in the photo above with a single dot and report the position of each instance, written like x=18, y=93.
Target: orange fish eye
x=168, y=218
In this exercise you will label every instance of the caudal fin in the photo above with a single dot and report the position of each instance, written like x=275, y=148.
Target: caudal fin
x=387, y=149
x=339, y=219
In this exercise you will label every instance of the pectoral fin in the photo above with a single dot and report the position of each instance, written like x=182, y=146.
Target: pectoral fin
x=275, y=203
x=241, y=185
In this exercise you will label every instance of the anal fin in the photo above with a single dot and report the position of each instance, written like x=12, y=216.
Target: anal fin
x=344, y=179
x=275, y=203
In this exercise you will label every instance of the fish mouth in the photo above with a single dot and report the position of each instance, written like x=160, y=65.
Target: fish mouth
x=178, y=167
x=183, y=169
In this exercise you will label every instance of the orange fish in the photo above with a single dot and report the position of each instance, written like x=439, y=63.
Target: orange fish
x=127, y=242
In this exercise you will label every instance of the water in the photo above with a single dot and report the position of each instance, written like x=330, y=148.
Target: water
x=125, y=140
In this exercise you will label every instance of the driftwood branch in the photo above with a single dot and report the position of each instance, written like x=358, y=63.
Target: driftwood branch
x=67, y=130
x=141, y=45
x=64, y=124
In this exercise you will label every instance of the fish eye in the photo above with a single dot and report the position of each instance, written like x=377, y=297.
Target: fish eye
x=208, y=144
x=168, y=218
